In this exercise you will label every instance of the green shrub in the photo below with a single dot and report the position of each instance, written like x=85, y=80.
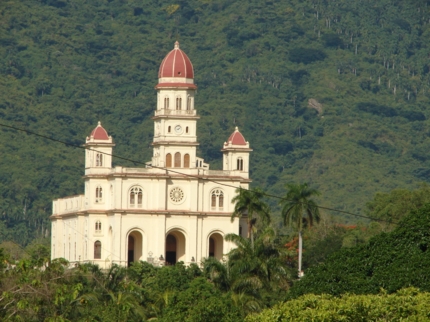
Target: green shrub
x=405, y=305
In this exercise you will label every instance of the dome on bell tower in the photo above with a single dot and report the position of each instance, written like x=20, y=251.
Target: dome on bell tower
x=99, y=133
x=236, y=138
x=176, y=64
x=176, y=70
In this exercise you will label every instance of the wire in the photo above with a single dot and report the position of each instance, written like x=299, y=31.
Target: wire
x=187, y=175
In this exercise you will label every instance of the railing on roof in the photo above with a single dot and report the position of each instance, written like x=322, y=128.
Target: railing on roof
x=137, y=170
x=68, y=204
x=175, y=112
x=218, y=172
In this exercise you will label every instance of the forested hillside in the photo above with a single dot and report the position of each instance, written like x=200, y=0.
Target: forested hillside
x=333, y=93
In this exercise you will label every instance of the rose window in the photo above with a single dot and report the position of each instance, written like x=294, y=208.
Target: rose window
x=176, y=194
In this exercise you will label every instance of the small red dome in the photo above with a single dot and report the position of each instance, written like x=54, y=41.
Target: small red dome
x=99, y=133
x=176, y=64
x=236, y=138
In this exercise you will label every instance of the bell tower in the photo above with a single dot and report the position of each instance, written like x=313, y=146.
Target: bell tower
x=98, y=146
x=236, y=154
x=175, y=119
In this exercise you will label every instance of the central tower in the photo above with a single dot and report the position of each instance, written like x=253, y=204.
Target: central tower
x=175, y=120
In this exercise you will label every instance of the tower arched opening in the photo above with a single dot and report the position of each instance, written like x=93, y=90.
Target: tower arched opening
x=175, y=247
x=216, y=246
x=134, y=248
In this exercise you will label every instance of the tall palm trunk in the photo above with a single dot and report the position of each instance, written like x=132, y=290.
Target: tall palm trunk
x=300, y=253
x=251, y=234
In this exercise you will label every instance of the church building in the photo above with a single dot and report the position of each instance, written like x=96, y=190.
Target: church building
x=173, y=209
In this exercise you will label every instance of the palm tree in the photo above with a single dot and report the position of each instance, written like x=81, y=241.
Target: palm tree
x=250, y=270
x=258, y=266
x=218, y=272
x=299, y=210
x=249, y=202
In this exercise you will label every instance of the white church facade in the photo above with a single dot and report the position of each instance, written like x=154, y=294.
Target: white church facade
x=173, y=209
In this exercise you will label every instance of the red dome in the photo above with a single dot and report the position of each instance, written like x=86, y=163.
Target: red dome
x=236, y=138
x=99, y=133
x=176, y=64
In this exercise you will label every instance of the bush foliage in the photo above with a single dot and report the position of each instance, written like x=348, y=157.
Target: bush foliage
x=406, y=305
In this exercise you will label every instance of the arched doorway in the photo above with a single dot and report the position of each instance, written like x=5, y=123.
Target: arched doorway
x=216, y=246
x=175, y=247
x=134, y=249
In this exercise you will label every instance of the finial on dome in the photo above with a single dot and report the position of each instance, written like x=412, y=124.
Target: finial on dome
x=176, y=44
x=99, y=123
x=236, y=129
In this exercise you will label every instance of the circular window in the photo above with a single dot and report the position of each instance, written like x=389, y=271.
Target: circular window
x=176, y=195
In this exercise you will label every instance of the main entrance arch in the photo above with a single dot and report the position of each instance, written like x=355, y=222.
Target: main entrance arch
x=134, y=249
x=175, y=247
x=216, y=246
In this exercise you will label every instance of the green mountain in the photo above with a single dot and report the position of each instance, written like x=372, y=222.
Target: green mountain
x=333, y=93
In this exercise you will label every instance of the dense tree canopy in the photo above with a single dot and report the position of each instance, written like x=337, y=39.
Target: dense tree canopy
x=389, y=260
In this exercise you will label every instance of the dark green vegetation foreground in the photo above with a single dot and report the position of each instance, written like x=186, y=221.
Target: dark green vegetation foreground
x=406, y=305
x=331, y=93
x=258, y=282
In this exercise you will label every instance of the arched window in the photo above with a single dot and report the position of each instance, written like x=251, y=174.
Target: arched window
x=166, y=103
x=240, y=164
x=97, y=250
x=213, y=201
x=186, y=130
x=99, y=159
x=186, y=160
x=98, y=226
x=177, y=160
x=168, y=160
x=169, y=129
x=178, y=103
x=188, y=103
x=99, y=194
x=136, y=196
x=217, y=200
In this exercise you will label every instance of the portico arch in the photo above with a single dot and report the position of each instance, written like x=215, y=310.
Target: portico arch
x=175, y=247
x=216, y=245
x=134, y=246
